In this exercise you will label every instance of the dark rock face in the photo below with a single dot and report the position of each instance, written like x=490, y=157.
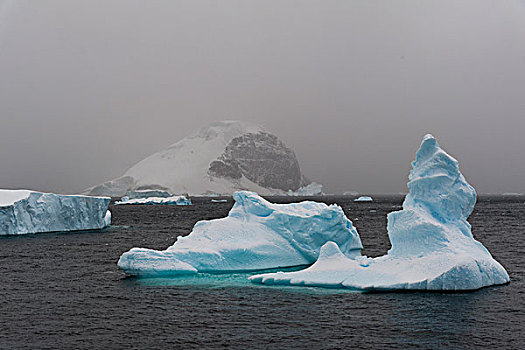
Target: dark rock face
x=263, y=159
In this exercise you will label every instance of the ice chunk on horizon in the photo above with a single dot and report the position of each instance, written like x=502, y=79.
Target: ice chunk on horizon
x=174, y=200
x=255, y=235
x=432, y=244
x=24, y=211
x=363, y=199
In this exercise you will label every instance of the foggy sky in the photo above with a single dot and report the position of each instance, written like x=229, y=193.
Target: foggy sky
x=88, y=88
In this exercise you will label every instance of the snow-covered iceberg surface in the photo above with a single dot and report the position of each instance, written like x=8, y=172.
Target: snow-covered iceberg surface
x=432, y=244
x=174, y=200
x=24, y=211
x=255, y=235
x=363, y=199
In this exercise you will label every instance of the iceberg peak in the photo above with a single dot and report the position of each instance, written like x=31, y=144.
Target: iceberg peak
x=432, y=243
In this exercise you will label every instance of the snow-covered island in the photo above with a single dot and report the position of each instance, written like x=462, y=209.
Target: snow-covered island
x=255, y=235
x=220, y=158
x=363, y=199
x=173, y=200
x=432, y=243
x=24, y=211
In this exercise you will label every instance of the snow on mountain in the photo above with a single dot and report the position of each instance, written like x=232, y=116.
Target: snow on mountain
x=220, y=158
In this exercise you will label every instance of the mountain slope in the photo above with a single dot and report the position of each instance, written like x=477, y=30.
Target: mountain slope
x=220, y=158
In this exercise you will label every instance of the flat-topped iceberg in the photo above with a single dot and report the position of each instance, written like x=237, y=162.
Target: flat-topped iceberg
x=24, y=211
x=255, y=235
x=174, y=200
x=363, y=199
x=432, y=244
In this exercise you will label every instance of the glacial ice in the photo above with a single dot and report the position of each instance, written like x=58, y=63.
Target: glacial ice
x=432, y=244
x=255, y=235
x=174, y=200
x=363, y=199
x=24, y=211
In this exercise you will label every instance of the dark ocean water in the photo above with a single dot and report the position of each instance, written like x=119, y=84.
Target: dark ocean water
x=64, y=291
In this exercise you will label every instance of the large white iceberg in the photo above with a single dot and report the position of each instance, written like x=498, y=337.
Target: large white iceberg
x=432, y=244
x=174, y=200
x=255, y=235
x=24, y=211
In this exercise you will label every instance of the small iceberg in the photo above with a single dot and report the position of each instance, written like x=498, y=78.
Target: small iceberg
x=432, y=243
x=174, y=200
x=255, y=235
x=24, y=211
x=363, y=199
x=219, y=200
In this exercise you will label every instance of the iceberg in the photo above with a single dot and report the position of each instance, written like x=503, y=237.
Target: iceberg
x=432, y=243
x=24, y=211
x=255, y=235
x=219, y=201
x=363, y=199
x=174, y=200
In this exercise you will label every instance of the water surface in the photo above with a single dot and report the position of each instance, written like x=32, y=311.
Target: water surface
x=64, y=291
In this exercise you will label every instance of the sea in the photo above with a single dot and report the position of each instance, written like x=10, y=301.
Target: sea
x=65, y=291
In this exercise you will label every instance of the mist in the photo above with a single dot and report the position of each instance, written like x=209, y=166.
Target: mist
x=89, y=88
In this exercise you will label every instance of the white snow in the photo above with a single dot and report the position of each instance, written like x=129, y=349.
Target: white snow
x=24, y=211
x=183, y=166
x=9, y=197
x=432, y=244
x=255, y=235
x=363, y=199
x=174, y=200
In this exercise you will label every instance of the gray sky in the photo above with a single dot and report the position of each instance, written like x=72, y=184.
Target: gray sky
x=88, y=88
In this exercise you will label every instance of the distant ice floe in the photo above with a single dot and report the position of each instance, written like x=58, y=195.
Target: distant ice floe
x=24, y=211
x=363, y=199
x=432, y=243
x=174, y=200
x=255, y=235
